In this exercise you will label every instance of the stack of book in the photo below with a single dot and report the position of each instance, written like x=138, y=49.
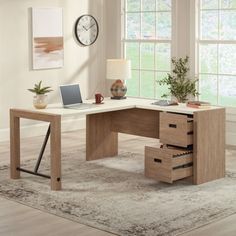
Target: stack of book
x=198, y=104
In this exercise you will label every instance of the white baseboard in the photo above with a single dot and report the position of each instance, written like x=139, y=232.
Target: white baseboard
x=231, y=138
x=40, y=129
x=231, y=127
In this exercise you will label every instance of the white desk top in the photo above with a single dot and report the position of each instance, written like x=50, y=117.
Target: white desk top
x=115, y=105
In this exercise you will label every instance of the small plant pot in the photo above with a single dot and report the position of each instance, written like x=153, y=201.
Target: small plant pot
x=40, y=101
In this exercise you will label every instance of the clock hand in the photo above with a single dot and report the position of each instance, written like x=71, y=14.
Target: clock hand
x=85, y=28
x=91, y=26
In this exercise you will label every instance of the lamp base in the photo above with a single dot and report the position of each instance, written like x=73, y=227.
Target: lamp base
x=118, y=90
x=118, y=98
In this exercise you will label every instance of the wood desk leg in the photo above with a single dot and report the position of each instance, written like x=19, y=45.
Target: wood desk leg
x=15, y=146
x=209, y=145
x=100, y=140
x=56, y=153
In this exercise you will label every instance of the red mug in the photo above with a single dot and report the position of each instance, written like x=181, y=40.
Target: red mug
x=98, y=98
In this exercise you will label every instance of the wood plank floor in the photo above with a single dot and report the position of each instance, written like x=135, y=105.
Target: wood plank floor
x=19, y=220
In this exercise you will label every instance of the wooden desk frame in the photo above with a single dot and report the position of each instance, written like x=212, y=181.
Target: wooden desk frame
x=102, y=138
x=55, y=142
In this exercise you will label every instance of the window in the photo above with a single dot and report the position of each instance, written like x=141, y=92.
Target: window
x=217, y=51
x=147, y=43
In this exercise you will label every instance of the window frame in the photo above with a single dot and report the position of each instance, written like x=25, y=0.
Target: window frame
x=196, y=38
x=155, y=42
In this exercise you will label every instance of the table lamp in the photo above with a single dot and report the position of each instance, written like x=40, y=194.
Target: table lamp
x=119, y=70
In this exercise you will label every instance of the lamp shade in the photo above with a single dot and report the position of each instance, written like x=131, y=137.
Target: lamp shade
x=118, y=69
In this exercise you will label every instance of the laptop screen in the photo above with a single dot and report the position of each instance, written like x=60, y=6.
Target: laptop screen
x=70, y=94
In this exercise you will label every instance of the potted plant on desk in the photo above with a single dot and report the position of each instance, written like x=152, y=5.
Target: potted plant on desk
x=40, y=98
x=178, y=82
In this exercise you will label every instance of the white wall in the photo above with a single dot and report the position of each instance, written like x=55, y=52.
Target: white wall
x=181, y=26
x=113, y=34
x=84, y=65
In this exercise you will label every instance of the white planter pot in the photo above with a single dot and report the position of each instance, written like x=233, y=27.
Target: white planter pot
x=40, y=101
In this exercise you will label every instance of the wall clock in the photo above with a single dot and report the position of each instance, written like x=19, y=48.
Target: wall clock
x=86, y=30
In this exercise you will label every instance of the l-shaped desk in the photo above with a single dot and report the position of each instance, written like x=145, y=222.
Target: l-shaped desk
x=131, y=116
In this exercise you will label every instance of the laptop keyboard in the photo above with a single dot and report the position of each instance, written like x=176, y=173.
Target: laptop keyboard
x=80, y=106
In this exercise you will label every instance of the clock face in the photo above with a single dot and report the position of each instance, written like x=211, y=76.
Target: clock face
x=86, y=30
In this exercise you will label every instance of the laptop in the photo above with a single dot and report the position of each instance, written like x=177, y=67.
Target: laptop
x=71, y=97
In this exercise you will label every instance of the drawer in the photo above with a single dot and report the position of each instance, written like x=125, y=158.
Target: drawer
x=176, y=129
x=168, y=165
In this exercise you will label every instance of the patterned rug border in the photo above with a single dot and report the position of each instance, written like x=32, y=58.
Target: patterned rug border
x=109, y=230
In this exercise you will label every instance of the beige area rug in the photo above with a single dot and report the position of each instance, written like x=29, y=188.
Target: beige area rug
x=113, y=195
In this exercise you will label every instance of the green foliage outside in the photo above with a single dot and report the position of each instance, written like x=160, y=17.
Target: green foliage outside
x=207, y=89
x=217, y=80
x=146, y=79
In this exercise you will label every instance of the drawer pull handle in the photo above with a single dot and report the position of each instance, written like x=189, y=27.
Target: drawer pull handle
x=158, y=160
x=173, y=126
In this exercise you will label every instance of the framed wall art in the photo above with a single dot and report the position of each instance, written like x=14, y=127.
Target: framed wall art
x=47, y=38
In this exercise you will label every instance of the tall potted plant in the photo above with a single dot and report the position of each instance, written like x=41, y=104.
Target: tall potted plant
x=179, y=84
x=40, y=98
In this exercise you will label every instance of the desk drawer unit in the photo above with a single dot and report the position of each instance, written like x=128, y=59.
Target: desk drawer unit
x=176, y=129
x=168, y=165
